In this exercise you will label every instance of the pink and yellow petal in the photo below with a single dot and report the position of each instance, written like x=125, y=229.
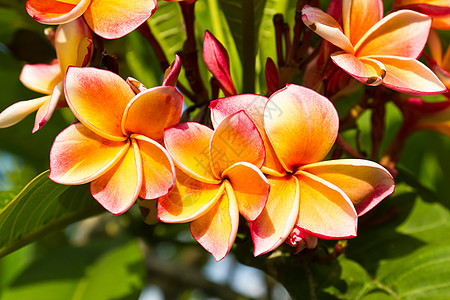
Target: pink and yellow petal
x=253, y=105
x=325, y=211
x=98, y=99
x=366, y=183
x=403, y=33
x=250, y=187
x=112, y=19
x=119, y=187
x=45, y=112
x=55, y=12
x=188, y=145
x=326, y=26
x=216, y=230
x=188, y=200
x=276, y=221
x=41, y=78
x=157, y=168
x=73, y=44
x=410, y=76
x=236, y=139
x=359, y=16
x=78, y=155
x=152, y=110
x=306, y=128
x=365, y=70
x=19, y=110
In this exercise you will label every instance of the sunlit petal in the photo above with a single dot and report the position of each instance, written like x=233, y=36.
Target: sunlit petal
x=276, y=221
x=326, y=26
x=410, y=76
x=119, y=187
x=325, y=210
x=359, y=16
x=402, y=33
x=236, y=139
x=73, y=44
x=98, y=99
x=136, y=85
x=216, y=230
x=366, y=183
x=19, y=110
x=152, y=110
x=157, y=168
x=188, y=145
x=55, y=12
x=250, y=187
x=306, y=128
x=366, y=71
x=45, y=112
x=113, y=19
x=253, y=105
x=78, y=155
x=41, y=78
x=188, y=200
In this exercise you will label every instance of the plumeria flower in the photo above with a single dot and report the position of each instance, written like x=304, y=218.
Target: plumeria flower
x=377, y=50
x=440, y=61
x=109, y=19
x=116, y=146
x=218, y=177
x=308, y=196
x=439, y=10
x=73, y=44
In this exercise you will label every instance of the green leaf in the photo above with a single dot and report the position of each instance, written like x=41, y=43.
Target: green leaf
x=109, y=270
x=167, y=26
x=42, y=207
x=142, y=61
x=244, y=19
x=424, y=274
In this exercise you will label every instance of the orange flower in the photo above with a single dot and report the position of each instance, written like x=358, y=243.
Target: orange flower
x=378, y=50
x=110, y=19
x=308, y=197
x=116, y=145
x=218, y=178
x=73, y=44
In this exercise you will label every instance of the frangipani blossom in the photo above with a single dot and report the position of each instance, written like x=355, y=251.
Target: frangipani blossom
x=378, y=50
x=116, y=146
x=439, y=10
x=317, y=198
x=218, y=177
x=109, y=19
x=73, y=44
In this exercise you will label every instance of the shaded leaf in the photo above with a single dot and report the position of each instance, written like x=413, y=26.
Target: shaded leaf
x=109, y=270
x=42, y=207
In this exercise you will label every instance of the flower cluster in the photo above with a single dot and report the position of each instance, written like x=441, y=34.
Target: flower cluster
x=265, y=157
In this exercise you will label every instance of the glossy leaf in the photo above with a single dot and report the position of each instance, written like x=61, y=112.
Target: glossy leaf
x=83, y=273
x=42, y=207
